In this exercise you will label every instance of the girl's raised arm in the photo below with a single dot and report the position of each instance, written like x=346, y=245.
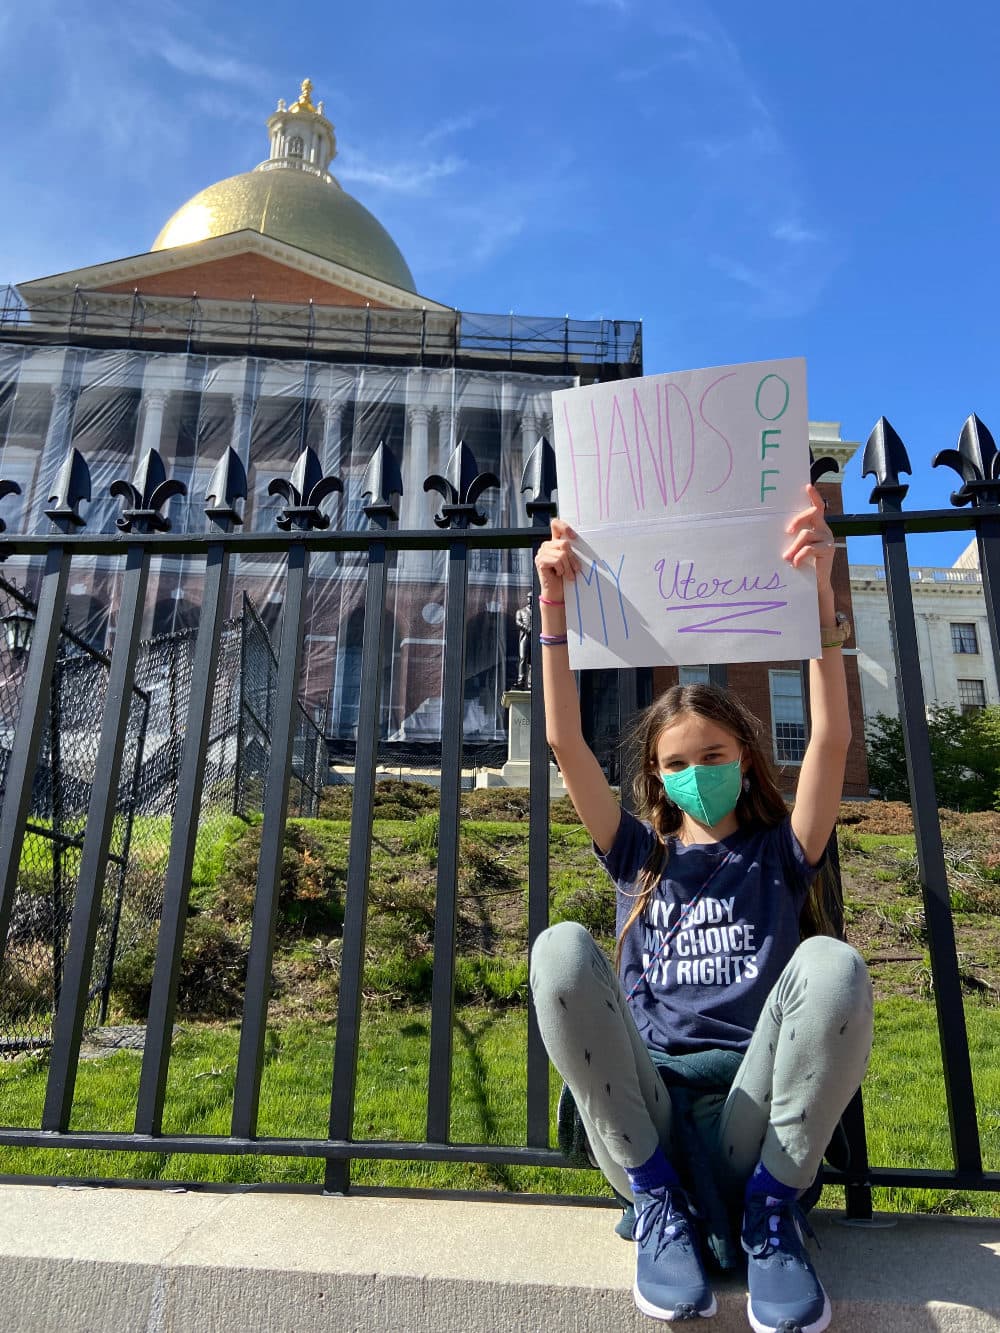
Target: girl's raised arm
x=821, y=778
x=588, y=788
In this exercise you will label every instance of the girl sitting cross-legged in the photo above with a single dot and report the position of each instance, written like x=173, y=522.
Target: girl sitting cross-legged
x=714, y=1062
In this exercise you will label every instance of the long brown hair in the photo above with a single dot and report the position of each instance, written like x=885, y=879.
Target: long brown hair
x=760, y=803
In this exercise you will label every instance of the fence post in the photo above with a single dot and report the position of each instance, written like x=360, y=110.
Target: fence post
x=539, y=480
x=304, y=491
x=381, y=482
x=460, y=490
x=226, y=488
x=977, y=462
x=884, y=458
x=149, y=490
x=72, y=486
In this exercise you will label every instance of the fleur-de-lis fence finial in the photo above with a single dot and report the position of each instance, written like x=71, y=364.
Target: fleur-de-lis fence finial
x=144, y=495
x=460, y=489
x=227, y=485
x=382, y=481
x=539, y=479
x=303, y=492
x=7, y=488
x=885, y=457
x=977, y=462
x=71, y=486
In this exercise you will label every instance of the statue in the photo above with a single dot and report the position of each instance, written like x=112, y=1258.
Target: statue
x=304, y=102
x=522, y=619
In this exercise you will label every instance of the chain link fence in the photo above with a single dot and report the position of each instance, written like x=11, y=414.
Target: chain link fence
x=31, y=965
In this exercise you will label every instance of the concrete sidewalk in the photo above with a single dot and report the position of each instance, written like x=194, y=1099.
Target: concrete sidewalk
x=143, y=1261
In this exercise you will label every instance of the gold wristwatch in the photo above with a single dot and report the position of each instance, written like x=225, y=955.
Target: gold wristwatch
x=836, y=636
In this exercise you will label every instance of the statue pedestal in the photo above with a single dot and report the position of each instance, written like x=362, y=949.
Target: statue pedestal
x=516, y=772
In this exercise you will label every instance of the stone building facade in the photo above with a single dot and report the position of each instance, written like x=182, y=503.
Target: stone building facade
x=956, y=664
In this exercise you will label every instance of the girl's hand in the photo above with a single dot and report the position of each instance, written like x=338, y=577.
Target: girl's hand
x=555, y=560
x=813, y=539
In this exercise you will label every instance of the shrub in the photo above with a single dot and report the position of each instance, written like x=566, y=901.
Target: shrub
x=310, y=886
x=965, y=755
x=212, y=974
x=485, y=872
x=394, y=799
x=593, y=906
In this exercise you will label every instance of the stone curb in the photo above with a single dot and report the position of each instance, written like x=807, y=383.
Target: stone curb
x=127, y=1260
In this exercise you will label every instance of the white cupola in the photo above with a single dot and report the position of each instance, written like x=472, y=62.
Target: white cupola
x=301, y=137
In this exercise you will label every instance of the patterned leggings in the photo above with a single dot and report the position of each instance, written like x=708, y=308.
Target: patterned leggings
x=806, y=1058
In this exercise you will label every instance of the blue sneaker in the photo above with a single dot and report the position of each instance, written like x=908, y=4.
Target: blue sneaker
x=785, y=1295
x=670, y=1282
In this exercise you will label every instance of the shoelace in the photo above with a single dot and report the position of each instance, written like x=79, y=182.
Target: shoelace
x=671, y=1224
x=776, y=1217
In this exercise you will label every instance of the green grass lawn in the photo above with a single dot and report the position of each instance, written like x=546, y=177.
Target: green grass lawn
x=904, y=1095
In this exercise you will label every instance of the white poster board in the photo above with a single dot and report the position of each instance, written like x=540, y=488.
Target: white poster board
x=680, y=488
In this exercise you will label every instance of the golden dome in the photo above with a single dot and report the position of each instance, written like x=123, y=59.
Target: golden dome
x=299, y=208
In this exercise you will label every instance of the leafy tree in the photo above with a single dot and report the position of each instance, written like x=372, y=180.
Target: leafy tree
x=965, y=754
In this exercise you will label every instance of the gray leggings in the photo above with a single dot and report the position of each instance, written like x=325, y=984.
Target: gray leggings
x=806, y=1058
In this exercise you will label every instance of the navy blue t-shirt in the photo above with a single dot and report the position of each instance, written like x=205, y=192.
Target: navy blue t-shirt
x=705, y=990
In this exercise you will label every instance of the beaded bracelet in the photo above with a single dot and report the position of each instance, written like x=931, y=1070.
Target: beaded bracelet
x=548, y=601
x=552, y=640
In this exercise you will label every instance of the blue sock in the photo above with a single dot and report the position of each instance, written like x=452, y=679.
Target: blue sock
x=655, y=1171
x=762, y=1182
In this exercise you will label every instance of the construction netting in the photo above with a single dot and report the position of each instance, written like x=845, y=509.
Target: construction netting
x=114, y=405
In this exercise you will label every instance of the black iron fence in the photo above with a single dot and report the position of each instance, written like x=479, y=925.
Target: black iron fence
x=303, y=531
x=64, y=782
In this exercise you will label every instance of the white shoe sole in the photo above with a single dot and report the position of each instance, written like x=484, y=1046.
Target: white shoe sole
x=658, y=1312
x=816, y=1327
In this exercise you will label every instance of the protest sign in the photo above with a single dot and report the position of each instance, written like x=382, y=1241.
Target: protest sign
x=680, y=488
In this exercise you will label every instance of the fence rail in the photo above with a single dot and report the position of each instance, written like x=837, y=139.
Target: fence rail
x=301, y=536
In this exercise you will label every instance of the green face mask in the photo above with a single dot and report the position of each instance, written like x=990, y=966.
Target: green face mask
x=706, y=792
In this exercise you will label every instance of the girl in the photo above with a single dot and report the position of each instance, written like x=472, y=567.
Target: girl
x=719, y=1060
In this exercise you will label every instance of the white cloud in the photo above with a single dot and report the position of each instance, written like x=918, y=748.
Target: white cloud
x=219, y=65
x=401, y=177
x=449, y=128
x=792, y=231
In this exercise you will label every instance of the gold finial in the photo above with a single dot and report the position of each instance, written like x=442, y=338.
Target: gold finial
x=304, y=102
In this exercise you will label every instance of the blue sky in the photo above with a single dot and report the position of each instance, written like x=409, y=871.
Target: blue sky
x=751, y=180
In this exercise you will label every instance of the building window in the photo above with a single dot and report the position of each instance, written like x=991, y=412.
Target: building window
x=693, y=675
x=295, y=146
x=971, y=695
x=964, y=638
x=788, y=716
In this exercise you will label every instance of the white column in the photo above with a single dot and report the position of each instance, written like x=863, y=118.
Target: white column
x=154, y=402
x=60, y=427
x=333, y=415
x=243, y=409
x=416, y=466
x=529, y=433
x=446, y=436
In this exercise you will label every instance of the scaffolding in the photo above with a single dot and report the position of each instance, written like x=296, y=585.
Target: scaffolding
x=360, y=335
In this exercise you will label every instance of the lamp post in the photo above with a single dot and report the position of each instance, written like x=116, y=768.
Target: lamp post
x=18, y=627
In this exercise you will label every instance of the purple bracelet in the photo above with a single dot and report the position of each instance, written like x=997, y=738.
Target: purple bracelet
x=552, y=640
